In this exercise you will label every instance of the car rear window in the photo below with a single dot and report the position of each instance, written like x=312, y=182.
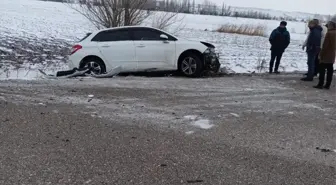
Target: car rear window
x=112, y=36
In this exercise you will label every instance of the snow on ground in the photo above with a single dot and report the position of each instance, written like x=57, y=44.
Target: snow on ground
x=38, y=33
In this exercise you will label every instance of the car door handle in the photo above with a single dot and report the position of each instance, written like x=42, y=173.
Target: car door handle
x=140, y=46
x=105, y=46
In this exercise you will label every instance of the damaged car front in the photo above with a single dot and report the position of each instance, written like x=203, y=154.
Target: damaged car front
x=211, y=58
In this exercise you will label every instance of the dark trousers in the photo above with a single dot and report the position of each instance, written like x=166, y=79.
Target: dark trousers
x=311, y=63
x=317, y=64
x=275, y=55
x=330, y=70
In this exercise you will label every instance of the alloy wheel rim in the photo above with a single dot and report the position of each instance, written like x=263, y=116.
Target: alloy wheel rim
x=189, y=66
x=95, y=67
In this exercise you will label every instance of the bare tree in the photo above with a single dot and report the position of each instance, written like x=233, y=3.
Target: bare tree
x=165, y=20
x=226, y=10
x=112, y=13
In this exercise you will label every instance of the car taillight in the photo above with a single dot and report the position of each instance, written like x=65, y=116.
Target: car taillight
x=75, y=48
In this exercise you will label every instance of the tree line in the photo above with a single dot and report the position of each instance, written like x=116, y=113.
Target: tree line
x=190, y=7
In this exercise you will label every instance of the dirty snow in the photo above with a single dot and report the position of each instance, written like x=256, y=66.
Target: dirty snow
x=203, y=124
x=190, y=132
x=190, y=117
x=235, y=115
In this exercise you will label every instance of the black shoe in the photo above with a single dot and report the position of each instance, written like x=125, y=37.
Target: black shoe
x=318, y=87
x=276, y=72
x=270, y=72
x=307, y=79
x=326, y=87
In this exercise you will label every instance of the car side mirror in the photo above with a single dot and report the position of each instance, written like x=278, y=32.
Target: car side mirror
x=164, y=37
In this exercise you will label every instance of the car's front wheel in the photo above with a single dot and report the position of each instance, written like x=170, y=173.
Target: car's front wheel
x=96, y=65
x=191, y=65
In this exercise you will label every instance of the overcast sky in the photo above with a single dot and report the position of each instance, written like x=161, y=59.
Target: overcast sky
x=310, y=6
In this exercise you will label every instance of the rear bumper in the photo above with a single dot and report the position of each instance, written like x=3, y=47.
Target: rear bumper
x=74, y=60
x=71, y=64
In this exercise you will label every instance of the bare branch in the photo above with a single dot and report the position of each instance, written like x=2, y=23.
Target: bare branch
x=112, y=13
x=165, y=20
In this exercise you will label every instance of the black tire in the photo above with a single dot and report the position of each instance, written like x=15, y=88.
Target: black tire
x=194, y=62
x=94, y=63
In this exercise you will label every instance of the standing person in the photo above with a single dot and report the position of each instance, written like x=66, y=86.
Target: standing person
x=279, y=39
x=313, y=47
x=317, y=60
x=328, y=55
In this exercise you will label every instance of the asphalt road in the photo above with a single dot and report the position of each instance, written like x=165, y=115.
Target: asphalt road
x=133, y=130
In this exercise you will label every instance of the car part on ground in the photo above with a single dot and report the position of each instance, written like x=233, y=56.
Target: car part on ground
x=75, y=72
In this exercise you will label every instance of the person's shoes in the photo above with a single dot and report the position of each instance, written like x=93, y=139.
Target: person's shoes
x=318, y=87
x=276, y=72
x=270, y=72
x=326, y=87
x=307, y=79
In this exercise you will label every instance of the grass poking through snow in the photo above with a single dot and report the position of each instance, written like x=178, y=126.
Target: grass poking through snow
x=244, y=29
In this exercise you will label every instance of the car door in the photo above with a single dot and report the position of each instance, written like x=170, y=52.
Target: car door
x=117, y=48
x=153, y=52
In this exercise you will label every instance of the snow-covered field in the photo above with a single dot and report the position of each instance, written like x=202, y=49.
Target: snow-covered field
x=38, y=34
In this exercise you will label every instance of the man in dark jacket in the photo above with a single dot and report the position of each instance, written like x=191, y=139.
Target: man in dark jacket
x=279, y=39
x=313, y=48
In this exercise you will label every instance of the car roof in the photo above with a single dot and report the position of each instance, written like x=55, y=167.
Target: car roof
x=125, y=27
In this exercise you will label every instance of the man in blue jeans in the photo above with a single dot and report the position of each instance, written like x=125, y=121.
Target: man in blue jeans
x=313, y=48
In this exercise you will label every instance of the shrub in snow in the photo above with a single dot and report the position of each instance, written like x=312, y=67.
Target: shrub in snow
x=244, y=29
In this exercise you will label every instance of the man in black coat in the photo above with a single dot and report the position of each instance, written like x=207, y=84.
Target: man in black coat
x=279, y=39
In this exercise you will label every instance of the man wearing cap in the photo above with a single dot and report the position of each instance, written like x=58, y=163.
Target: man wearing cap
x=279, y=39
x=328, y=56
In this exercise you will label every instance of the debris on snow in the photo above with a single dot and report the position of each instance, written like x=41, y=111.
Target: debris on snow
x=194, y=181
x=226, y=71
x=325, y=149
x=90, y=97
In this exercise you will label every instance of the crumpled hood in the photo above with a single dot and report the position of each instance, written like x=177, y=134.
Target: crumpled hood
x=207, y=44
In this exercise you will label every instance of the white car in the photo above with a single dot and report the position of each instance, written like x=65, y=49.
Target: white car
x=142, y=49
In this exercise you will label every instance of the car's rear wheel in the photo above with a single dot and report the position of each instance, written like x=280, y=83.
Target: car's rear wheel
x=96, y=65
x=191, y=65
